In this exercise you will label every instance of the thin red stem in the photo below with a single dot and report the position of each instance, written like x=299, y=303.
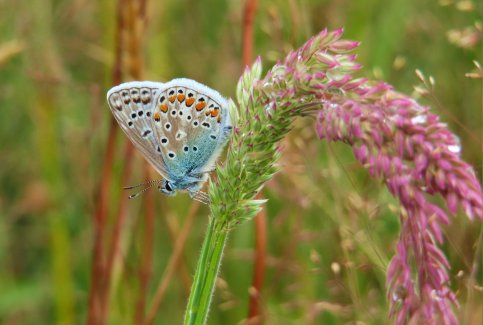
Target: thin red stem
x=134, y=48
x=255, y=314
x=102, y=272
x=100, y=216
x=98, y=265
x=114, y=247
x=247, y=41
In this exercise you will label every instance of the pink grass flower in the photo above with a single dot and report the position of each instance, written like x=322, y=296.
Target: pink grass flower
x=401, y=142
x=398, y=141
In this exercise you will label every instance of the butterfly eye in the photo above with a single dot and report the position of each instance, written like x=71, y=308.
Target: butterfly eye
x=168, y=187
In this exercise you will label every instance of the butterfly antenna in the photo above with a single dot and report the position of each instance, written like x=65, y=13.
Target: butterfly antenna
x=150, y=185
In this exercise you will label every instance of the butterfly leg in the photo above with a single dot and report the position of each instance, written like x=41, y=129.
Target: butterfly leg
x=200, y=197
x=208, y=170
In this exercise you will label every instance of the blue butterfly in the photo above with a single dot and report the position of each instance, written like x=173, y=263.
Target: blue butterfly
x=180, y=127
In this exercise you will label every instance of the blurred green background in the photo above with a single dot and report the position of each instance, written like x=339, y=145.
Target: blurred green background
x=331, y=229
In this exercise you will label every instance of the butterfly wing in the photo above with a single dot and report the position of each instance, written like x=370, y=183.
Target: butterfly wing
x=191, y=124
x=133, y=104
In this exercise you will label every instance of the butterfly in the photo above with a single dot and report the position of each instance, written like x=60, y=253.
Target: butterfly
x=180, y=127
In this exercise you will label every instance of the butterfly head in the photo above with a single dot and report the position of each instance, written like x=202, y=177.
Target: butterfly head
x=168, y=188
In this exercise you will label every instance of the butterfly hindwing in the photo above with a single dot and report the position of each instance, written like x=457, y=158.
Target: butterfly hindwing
x=133, y=104
x=190, y=124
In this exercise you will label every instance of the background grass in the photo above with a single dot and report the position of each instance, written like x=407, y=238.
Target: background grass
x=331, y=229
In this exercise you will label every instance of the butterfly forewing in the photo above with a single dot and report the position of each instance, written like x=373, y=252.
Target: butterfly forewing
x=133, y=105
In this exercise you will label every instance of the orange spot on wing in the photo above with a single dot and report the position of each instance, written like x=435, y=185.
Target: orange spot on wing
x=190, y=101
x=200, y=105
x=208, y=113
x=180, y=98
x=163, y=108
x=214, y=113
x=157, y=117
x=172, y=98
x=219, y=119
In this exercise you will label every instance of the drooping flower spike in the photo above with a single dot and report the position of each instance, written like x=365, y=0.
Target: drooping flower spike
x=391, y=135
